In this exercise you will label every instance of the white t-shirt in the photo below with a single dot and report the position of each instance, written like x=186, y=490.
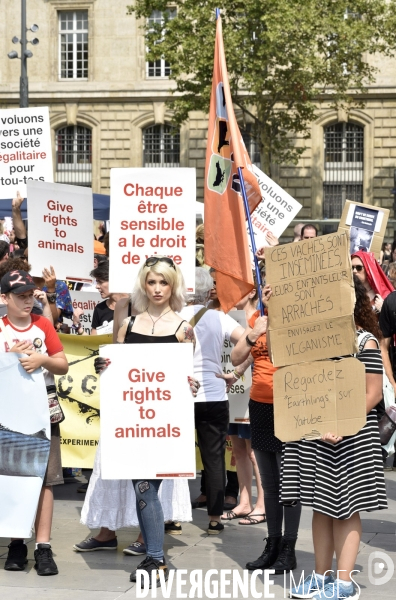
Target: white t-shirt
x=210, y=332
x=40, y=333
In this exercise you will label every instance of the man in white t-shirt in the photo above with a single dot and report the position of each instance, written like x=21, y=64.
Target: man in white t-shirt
x=211, y=329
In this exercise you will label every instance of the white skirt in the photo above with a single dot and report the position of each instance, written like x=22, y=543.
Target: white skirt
x=111, y=503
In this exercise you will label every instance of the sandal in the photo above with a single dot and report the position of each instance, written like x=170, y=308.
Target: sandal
x=252, y=520
x=230, y=515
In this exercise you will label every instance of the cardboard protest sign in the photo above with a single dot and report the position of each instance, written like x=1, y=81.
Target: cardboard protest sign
x=312, y=399
x=274, y=213
x=86, y=301
x=311, y=309
x=239, y=394
x=367, y=226
x=147, y=412
x=152, y=211
x=25, y=149
x=78, y=394
x=60, y=229
x=24, y=445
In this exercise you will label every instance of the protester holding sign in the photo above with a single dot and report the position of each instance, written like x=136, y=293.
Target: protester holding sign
x=34, y=338
x=377, y=285
x=339, y=477
x=159, y=293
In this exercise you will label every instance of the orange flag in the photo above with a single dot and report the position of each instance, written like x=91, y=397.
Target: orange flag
x=226, y=244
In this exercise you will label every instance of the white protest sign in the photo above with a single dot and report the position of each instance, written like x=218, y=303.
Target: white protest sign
x=152, y=211
x=147, y=412
x=274, y=213
x=60, y=229
x=24, y=445
x=86, y=301
x=239, y=394
x=25, y=149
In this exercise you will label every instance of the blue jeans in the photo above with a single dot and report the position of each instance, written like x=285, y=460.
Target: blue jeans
x=150, y=515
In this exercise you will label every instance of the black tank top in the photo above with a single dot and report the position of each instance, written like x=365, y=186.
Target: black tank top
x=131, y=337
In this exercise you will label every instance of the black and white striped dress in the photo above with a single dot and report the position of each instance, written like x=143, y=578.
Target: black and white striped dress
x=342, y=479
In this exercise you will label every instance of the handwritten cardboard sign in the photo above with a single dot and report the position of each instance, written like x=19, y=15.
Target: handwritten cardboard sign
x=25, y=149
x=312, y=399
x=366, y=225
x=311, y=309
x=239, y=394
x=152, y=211
x=147, y=412
x=60, y=229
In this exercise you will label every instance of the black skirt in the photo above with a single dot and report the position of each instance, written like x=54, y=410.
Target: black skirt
x=262, y=427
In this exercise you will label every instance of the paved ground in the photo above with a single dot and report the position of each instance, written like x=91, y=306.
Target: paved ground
x=105, y=575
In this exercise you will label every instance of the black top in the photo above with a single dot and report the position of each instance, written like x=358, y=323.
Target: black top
x=387, y=318
x=131, y=337
x=102, y=315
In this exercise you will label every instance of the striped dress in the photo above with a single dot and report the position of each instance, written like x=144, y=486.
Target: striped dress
x=342, y=479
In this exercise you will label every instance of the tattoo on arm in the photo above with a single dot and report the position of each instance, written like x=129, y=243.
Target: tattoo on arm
x=189, y=334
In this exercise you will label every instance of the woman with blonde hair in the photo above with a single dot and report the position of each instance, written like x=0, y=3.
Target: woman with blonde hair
x=158, y=294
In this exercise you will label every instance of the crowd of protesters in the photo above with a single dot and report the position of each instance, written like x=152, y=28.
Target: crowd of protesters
x=323, y=474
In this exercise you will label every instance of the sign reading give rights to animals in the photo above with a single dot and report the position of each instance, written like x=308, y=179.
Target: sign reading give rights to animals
x=60, y=229
x=25, y=149
x=311, y=399
x=147, y=412
x=152, y=211
x=311, y=309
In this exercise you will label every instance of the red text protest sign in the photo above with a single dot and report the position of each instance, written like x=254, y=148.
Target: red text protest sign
x=60, y=229
x=152, y=211
x=147, y=412
x=25, y=149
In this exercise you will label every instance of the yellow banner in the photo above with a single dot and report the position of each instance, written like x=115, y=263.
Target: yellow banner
x=78, y=393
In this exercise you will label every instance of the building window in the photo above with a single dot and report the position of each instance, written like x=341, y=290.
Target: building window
x=251, y=143
x=161, y=146
x=73, y=44
x=74, y=155
x=343, y=171
x=160, y=67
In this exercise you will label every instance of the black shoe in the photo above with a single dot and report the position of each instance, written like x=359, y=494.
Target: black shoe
x=83, y=488
x=286, y=560
x=214, y=528
x=45, y=564
x=16, y=559
x=268, y=556
x=149, y=565
x=174, y=528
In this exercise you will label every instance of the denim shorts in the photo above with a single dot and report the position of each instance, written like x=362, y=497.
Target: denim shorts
x=242, y=430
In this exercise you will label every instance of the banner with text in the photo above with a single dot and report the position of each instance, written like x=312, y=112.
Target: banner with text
x=147, y=411
x=78, y=393
x=60, y=229
x=239, y=394
x=311, y=399
x=25, y=149
x=24, y=445
x=366, y=224
x=311, y=308
x=152, y=211
x=274, y=213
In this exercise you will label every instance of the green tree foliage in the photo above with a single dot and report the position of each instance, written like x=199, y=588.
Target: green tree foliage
x=283, y=57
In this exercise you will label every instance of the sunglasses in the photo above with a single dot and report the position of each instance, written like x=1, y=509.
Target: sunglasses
x=150, y=262
x=357, y=268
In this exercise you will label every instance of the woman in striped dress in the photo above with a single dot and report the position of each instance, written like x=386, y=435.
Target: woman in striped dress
x=340, y=477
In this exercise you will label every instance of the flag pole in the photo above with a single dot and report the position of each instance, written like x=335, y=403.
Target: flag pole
x=252, y=240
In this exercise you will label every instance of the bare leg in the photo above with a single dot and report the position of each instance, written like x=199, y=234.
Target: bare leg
x=259, y=508
x=245, y=475
x=105, y=535
x=322, y=535
x=44, y=515
x=346, y=534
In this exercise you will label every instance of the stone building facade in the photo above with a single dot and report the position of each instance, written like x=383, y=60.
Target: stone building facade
x=108, y=109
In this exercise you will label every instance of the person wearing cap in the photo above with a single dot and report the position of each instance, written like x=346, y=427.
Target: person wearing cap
x=34, y=338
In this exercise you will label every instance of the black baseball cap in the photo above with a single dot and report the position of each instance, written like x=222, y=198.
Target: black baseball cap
x=17, y=282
